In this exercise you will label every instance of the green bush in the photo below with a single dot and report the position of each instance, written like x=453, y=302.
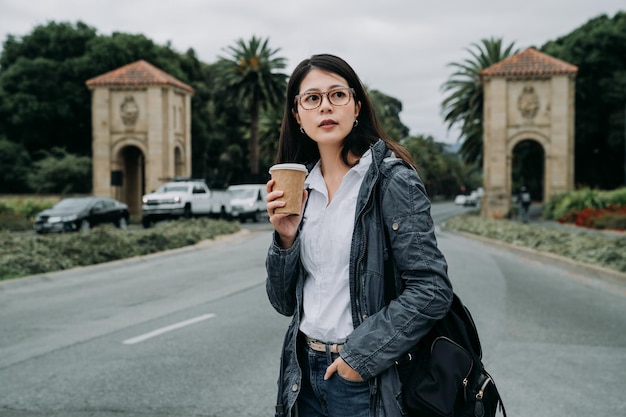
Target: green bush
x=22, y=255
x=612, y=221
x=18, y=213
x=616, y=197
x=566, y=205
x=14, y=222
x=61, y=172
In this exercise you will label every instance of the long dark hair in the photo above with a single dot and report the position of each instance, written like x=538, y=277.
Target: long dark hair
x=295, y=146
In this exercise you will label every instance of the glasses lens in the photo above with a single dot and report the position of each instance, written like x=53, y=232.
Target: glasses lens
x=309, y=101
x=339, y=97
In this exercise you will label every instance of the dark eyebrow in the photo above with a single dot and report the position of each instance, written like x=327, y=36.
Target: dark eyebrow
x=317, y=90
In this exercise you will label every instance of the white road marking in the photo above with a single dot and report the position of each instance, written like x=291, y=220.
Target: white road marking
x=166, y=329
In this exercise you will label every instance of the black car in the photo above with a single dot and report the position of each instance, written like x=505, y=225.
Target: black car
x=82, y=213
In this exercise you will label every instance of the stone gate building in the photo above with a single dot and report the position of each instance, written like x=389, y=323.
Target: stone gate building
x=141, y=123
x=529, y=96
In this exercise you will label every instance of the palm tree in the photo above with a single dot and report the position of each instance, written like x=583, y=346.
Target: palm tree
x=249, y=76
x=464, y=104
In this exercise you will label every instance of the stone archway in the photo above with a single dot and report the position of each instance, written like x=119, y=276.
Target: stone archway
x=141, y=121
x=529, y=96
x=129, y=161
x=528, y=168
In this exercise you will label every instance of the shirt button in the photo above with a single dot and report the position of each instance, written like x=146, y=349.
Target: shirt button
x=364, y=316
x=294, y=387
x=395, y=226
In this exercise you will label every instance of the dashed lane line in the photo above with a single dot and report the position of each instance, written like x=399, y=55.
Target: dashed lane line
x=166, y=329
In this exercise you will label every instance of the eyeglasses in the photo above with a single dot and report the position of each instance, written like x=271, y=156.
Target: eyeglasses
x=336, y=97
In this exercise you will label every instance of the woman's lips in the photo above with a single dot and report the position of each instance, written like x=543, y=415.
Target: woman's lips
x=327, y=123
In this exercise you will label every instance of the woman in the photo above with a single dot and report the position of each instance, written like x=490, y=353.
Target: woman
x=326, y=268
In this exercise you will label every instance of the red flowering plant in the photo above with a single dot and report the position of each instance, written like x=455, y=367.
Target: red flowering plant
x=611, y=217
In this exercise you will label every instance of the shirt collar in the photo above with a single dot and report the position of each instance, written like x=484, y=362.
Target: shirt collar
x=315, y=180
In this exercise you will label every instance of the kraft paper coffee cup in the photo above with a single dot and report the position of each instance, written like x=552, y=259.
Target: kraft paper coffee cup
x=289, y=178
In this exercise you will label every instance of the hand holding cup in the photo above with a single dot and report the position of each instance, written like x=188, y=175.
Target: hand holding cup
x=286, y=196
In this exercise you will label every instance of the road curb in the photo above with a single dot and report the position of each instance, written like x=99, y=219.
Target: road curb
x=596, y=269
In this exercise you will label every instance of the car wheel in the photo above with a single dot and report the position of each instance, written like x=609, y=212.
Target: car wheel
x=146, y=222
x=122, y=223
x=256, y=217
x=187, y=212
x=85, y=226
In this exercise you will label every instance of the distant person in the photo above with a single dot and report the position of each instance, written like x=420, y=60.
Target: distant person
x=524, y=201
x=328, y=272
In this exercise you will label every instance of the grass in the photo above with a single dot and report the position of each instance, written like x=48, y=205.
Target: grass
x=593, y=248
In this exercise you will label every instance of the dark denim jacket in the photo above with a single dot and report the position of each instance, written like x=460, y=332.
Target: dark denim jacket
x=383, y=331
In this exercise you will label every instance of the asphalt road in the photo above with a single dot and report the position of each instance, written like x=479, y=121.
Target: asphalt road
x=191, y=333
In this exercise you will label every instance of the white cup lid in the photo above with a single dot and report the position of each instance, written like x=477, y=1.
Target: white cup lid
x=296, y=167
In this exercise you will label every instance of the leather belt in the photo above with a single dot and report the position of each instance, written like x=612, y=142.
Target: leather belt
x=321, y=346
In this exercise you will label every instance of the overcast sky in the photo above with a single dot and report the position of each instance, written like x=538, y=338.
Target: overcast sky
x=399, y=47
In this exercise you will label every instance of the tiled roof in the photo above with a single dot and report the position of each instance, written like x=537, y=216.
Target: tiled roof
x=138, y=73
x=528, y=63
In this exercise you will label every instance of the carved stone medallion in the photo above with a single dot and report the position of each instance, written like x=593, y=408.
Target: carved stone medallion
x=528, y=102
x=129, y=111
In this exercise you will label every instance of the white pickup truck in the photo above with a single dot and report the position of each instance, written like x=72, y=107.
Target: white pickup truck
x=247, y=201
x=184, y=199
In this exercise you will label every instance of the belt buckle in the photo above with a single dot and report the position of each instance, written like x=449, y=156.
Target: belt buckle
x=321, y=346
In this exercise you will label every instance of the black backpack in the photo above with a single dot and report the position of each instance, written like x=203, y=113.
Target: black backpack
x=443, y=376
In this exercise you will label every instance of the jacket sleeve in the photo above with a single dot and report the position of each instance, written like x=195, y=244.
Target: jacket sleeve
x=386, y=335
x=282, y=267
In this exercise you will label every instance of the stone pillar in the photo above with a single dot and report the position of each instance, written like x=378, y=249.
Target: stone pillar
x=496, y=161
x=101, y=144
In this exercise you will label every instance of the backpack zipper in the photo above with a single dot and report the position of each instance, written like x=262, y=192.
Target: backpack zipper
x=481, y=391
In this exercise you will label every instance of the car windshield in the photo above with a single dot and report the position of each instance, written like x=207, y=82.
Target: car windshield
x=242, y=193
x=72, y=204
x=173, y=189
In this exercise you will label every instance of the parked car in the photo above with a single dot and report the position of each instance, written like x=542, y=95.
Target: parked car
x=247, y=201
x=460, y=199
x=82, y=213
x=184, y=198
x=473, y=199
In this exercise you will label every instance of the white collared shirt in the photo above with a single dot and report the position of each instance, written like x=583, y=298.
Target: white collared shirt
x=326, y=237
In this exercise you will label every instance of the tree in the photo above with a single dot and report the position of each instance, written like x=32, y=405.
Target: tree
x=15, y=164
x=388, y=111
x=249, y=76
x=442, y=170
x=43, y=99
x=464, y=103
x=61, y=172
x=598, y=49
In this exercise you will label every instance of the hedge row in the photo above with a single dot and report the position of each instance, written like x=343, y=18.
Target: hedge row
x=594, y=248
x=26, y=254
x=18, y=213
